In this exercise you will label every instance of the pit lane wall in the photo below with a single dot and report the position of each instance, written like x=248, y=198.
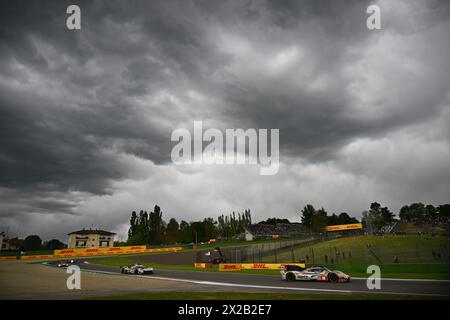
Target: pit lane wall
x=255, y=266
x=89, y=252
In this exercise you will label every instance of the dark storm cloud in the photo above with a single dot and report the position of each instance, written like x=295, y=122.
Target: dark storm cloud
x=76, y=106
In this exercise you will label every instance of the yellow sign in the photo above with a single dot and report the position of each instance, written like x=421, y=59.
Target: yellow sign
x=229, y=266
x=8, y=258
x=255, y=266
x=341, y=227
x=97, y=250
x=268, y=266
x=203, y=265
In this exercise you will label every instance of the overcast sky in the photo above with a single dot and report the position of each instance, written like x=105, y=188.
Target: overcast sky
x=86, y=116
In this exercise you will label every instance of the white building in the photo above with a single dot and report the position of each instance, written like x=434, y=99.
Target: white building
x=90, y=238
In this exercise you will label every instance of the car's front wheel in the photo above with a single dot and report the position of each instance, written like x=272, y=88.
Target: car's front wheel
x=290, y=276
x=333, y=277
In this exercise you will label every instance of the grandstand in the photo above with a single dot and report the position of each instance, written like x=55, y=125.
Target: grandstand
x=279, y=230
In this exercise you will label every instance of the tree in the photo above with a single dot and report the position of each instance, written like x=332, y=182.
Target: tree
x=172, y=231
x=386, y=215
x=274, y=221
x=444, y=210
x=54, y=244
x=231, y=225
x=319, y=221
x=156, y=226
x=430, y=211
x=372, y=219
x=185, y=232
x=133, y=225
x=307, y=215
x=32, y=243
x=136, y=239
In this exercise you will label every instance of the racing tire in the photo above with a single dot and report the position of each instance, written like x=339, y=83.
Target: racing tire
x=290, y=276
x=333, y=277
x=122, y=270
x=136, y=271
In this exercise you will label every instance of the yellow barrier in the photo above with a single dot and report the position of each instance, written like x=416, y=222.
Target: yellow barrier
x=229, y=266
x=4, y=258
x=255, y=266
x=203, y=265
x=108, y=250
x=44, y=256
x=341, y=227
x=89, y=252
x=268, y=266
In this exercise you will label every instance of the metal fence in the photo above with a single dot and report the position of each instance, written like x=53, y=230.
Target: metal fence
x=311, y=252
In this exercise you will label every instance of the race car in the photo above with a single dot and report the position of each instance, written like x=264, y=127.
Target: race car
x=64, y=264
x=293, y=272
x=136, y=269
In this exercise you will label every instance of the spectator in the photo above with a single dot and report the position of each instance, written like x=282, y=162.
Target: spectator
x=326, y=259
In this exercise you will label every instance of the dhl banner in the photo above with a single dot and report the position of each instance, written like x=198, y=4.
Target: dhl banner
x=341, y=227
x=268, y=266
x=229, y=266
x=203, y=265
x=255, y=266
x=8, y=258
x=108, y=250
x=90, y=252
x=44, y=256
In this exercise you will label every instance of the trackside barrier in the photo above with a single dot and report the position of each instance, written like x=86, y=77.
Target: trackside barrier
x=203, y=265
x=255, y=266
x=8, y=258
x=45, y=256
x=108, y=250
x=90, y=252
x=229, y=266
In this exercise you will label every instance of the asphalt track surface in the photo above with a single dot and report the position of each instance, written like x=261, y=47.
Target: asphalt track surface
x=269, y=283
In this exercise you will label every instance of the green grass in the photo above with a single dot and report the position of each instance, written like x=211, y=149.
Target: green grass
x=408, y=249
x=258, y=296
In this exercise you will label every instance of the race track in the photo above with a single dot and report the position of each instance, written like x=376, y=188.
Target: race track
x=269, y=283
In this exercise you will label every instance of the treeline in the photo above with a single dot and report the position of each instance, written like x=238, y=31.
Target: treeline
x=35, y=243
x=150, y=228
x=419, y=211
x=317, y=220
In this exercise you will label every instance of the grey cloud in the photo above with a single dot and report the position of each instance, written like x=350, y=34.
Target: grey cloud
x=74, y=106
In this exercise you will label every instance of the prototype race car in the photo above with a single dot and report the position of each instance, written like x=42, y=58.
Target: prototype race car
x=293, y=272
x=136, y=269
x=64, y=264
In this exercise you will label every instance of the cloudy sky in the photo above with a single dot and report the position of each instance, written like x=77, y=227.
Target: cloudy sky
x=86, y=116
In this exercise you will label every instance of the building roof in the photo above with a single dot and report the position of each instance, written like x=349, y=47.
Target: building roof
x=281, y=229
x=93, y=231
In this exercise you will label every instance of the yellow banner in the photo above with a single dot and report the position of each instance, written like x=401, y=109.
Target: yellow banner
x=268, y=266
x=203, y=265
x=229, y=266
x=45, y=256
x=341, y=227
x=8, y=258
x=108, y=250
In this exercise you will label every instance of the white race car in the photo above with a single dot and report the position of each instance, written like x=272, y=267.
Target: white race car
x=293, y=272
x=136, y=269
